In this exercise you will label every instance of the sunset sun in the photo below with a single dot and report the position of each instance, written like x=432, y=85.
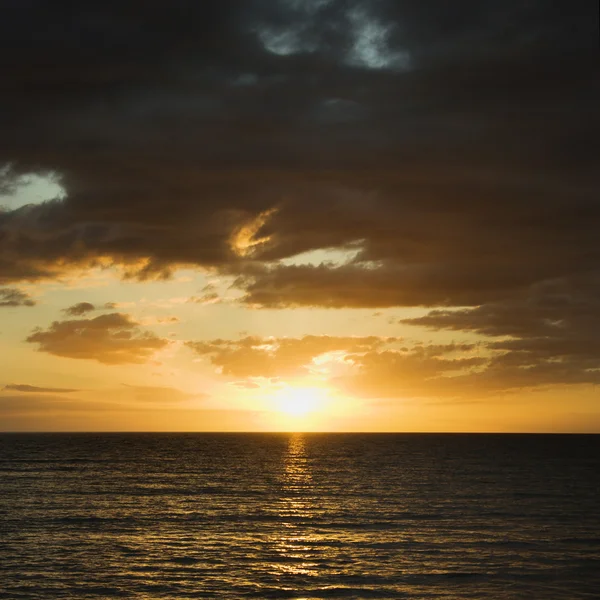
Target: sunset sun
x=299, y=401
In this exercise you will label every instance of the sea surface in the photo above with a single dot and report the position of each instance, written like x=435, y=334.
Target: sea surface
x=170, y=516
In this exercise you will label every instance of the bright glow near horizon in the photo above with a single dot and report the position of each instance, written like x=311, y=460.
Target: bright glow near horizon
x=300, y=401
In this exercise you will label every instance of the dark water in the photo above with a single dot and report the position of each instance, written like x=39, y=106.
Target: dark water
x=299, y=516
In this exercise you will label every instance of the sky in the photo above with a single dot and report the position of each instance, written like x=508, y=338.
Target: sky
x=313, y=215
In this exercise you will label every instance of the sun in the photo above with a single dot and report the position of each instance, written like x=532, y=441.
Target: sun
x=299, y=401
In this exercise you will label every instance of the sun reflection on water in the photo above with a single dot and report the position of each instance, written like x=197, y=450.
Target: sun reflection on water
x=293, y=546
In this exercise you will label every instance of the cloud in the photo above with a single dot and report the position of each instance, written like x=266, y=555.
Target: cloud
x=113, y=338
x=21, y=387
x=208, y=298
x=420, y=371
x=169, y=320
x=13, y=297
x=452, y=142
x=79, y=309
x=209, y=295
x=278, y=357
x=246, y=385
x=46, y=405
x=383, y=285
x=369, y=366
x=126, y=395
x=377, y=367
x=46, y=413
x=545, y=336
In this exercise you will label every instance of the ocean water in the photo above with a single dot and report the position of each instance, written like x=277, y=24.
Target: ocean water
x=170, y=516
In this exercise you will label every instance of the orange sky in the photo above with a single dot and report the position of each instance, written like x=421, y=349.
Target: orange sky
x=96, y=353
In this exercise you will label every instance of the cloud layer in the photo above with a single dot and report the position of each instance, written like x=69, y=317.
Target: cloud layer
x=378, y=367
x=277, y=357
x=173, y=126
x=34, y=389
x=454, y=147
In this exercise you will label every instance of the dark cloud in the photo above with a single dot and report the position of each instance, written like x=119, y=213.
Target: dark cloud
x=113, y=338
x=463, y=136
x=33, y=389
x=549, y=335
x=79, y=309
x=14, y=297
x=382, y=285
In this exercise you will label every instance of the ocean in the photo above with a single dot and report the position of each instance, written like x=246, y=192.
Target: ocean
x=170, y=516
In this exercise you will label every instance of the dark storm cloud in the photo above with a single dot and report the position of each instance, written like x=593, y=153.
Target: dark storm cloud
x=79, y=309
x=455, y=146
x=113, y=338
x=14, y=297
